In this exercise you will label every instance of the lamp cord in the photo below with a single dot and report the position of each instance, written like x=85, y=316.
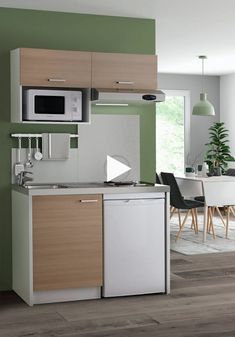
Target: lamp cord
x=203, y=74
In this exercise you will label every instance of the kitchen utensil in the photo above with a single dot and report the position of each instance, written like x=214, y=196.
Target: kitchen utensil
x=19, y=167
x=37, y=154
x=29, y=162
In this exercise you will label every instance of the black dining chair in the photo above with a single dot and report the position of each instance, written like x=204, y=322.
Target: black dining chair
x=172, y=209
x=158, y=181
x=200, y=198
x=179, y=203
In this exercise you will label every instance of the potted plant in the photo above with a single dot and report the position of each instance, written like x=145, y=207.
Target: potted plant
x=218, y=153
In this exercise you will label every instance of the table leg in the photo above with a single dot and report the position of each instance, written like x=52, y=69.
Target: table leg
x=205, y=222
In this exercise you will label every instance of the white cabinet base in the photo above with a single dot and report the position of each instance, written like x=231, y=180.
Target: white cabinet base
x=65, y=295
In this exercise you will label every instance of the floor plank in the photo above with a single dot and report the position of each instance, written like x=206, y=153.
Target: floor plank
x=201, y=304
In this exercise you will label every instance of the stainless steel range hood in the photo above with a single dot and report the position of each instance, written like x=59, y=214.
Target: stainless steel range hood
x=124, y=97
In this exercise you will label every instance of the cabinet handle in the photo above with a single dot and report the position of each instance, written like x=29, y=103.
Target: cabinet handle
x=125, y=82
x=56, y=80
x=88, y=200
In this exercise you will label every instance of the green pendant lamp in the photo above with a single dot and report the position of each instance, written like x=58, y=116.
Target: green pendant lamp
x=203, y=107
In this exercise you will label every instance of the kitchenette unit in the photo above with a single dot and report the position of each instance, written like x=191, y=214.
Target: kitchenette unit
x=83, y=241
x=75, y=241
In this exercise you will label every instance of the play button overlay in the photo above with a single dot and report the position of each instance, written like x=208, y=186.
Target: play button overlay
x=115, y=168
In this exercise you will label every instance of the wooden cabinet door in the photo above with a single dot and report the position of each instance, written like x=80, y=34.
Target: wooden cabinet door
x=124, y=71
x=67, y=241
x=55, y=68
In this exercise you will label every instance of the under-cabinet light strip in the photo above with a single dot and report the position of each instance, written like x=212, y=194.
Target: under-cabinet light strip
x=112, y=104
x=34, y=135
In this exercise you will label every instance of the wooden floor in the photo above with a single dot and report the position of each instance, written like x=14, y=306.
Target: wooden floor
x=202, y=303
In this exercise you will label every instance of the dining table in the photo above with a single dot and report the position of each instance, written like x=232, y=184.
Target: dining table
x=218, y=191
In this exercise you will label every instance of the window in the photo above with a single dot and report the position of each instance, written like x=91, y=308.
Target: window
x=172, y=131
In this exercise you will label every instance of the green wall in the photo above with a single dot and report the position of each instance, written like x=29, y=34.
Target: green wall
x=42, y=29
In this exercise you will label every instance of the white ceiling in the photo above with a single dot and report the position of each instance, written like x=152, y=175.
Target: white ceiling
x=185, y=28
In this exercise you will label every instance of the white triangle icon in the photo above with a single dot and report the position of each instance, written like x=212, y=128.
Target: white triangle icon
x=115, y=168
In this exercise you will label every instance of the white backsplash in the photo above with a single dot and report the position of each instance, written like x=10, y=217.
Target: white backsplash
x=50, y=171
x=115, y=135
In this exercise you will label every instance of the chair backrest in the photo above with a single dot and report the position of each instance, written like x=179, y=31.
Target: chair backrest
x=176, y=197
x=158, y=181
x=230, y=172
x=164, y=178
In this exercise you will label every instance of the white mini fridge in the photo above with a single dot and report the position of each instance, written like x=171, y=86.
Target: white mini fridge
x=134, y=244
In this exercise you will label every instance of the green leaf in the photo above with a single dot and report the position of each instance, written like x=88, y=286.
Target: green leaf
x=218, y=149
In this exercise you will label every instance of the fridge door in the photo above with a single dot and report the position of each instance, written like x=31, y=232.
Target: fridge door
x=134, y=247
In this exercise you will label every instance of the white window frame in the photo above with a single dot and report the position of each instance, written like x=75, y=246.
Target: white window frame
x=187, y=118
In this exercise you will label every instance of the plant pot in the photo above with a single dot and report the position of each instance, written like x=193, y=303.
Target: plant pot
x=217, y=171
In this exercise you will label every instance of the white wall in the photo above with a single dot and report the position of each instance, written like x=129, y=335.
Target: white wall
x=198, y=125
x=227, y=106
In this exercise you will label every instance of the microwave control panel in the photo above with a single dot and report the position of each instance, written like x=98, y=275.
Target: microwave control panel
x=76, y=105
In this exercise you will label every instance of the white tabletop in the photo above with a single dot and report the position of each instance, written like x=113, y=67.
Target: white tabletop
x=207, y=179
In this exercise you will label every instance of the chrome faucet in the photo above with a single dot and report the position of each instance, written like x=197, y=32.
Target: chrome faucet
x=22, y=178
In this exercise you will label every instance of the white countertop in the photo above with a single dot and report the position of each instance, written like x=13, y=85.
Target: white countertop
x=92, y=188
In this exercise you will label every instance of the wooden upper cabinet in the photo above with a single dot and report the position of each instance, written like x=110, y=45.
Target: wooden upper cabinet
x=63, y=68
x=67, y=242
x=55, y=68
x=124, y=71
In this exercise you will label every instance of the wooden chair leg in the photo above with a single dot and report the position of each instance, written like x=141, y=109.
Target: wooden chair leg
x=196, y=218
x=172, y=211
x=232, y=209
x=220, y=215
x=194, y=221
x=211, y=212
x=179, y=218
x=182, y=225
x=224, y=211
x=227, y=220
x=208, y=222
x=213, y=227
x=192, y=224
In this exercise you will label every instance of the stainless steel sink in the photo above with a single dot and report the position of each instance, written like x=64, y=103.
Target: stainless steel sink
x=63, y=185
x=44, y=186
x=85, y=185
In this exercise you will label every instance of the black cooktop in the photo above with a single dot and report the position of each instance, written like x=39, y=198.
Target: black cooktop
x=128, y=183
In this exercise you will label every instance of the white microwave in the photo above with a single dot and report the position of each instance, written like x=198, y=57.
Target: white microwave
x=53, y=105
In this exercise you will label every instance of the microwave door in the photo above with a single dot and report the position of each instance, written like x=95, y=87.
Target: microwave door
x=47, y=105
x=50, y=107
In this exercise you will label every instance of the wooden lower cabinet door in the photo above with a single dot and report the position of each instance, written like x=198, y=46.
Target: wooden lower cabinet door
x=67, y=241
